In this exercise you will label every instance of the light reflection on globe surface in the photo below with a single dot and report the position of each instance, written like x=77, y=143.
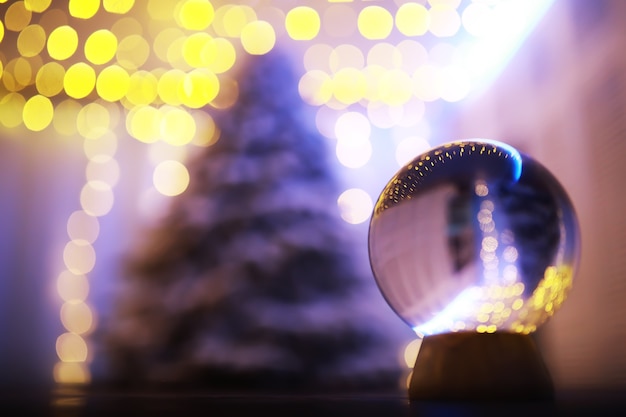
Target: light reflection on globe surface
x=474, y=236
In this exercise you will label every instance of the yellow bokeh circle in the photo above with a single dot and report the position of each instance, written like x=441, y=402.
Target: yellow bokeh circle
x=195, y=14
x=412, y=19
x=17, y=16
x=194, y=47
x=133, y=51
x=220, y=55
x=258, y=37
x=375, y=22
x=142, y=89
x=11, y=106
x=349, y=85
x=170, y=178
x=177, y=126
x=62, y=42
x=168, y=86
x=49, y=79
x=198, y=88
x=79, y=80
x=100, y=47
x=83, y=9
x=93, y=121
x=31, y=41
x=302, y=23
x=37, y=6
x=37, y=113
x=118, y=6
x=144, y=124
x=113, y=83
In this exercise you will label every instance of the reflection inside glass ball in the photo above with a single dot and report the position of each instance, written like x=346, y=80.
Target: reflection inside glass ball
x=474, y=236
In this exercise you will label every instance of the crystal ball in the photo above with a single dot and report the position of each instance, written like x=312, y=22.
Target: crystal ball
x=474, y=236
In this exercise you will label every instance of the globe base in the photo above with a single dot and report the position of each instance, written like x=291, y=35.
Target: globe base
x=480, y=367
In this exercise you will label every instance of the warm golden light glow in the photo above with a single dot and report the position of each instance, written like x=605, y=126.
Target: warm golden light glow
x=49, y=79
x=62, y=42
x=349, y=85
x=92, y=120
x=37, y=6
x=31, y=40
x=235, y=18
x=168, y=86
x=65, y=115
x=142, y=88
x=11, y=106
x=71, y=347
x=83, y=9
x=79, y=256
x=118, y=6
x=143, y=123
x=170, y=178
x=302, y=23
x=77, y=317
x=195, y=14
x=79, y=80
x=410, y=352
x=198, y=88
x=82, y=226
x=72, y=287
x=220, y=55
x=113, y=83
x=355, y=205
x=132, y=52
x=100, y=47
x=315, y=87
x=17, y=16
x=177, y=126
x=412, y=19
x=375, y=22
x=96, y=198
x=37, y=113
x=71, y=373
x=258, y=37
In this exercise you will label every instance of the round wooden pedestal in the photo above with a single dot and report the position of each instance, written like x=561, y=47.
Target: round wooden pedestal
x=480, y=367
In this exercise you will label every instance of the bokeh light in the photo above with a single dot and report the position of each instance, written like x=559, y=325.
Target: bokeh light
x=83, y=9
x=113, y=83
x=49, y=79
x=375, y=22
x=302, y=23
x=37, y=113
x=79, y=80
x=355, y=205
x=170, y=178
x=258, y=37
x=62, y=42
x=31, y=41
x=412, y=19
x=17, y=16
x=196, y=14
x=72, y=287
x=100, y=47
x=118, y=6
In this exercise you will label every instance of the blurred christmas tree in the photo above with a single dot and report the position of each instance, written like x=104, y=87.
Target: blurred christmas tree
x=252, y=280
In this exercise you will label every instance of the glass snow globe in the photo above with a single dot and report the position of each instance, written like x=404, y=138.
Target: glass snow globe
x=474, y=245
